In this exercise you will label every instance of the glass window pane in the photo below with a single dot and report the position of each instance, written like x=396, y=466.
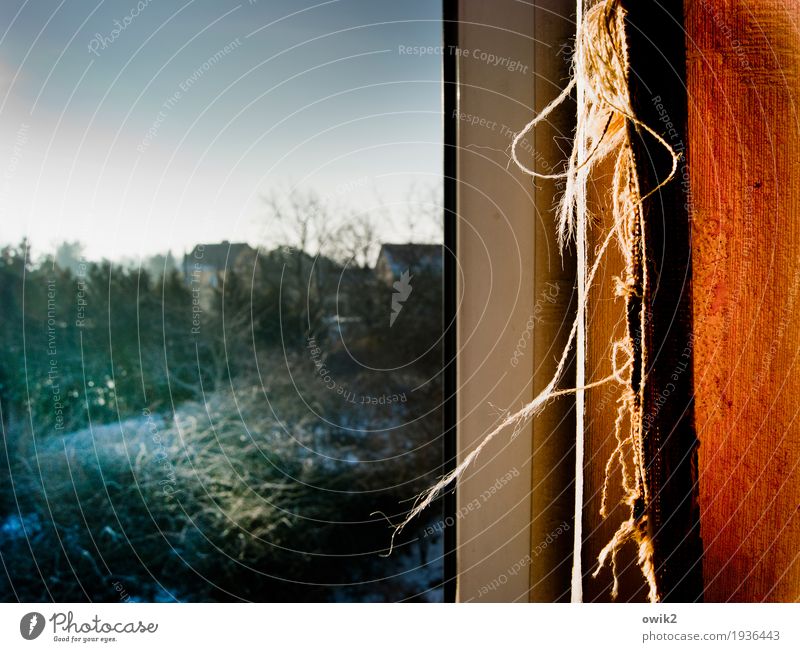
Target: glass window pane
x=221, y=279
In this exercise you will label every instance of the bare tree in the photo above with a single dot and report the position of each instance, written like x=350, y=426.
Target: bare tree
x=298, y=219
x=304, y=223
x=355, y=241
x=423, y=213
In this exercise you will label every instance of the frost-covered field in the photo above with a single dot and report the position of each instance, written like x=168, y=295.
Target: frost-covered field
x=218, y=500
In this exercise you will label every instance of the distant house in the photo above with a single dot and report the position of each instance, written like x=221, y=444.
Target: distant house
x=206, y=265
x=394, y=259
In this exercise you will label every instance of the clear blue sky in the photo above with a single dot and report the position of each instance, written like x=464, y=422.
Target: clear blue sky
x=91, y=148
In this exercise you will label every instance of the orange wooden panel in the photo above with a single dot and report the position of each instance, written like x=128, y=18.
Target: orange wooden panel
x=744, y=156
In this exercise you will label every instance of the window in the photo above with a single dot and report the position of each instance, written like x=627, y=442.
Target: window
x=221, y=273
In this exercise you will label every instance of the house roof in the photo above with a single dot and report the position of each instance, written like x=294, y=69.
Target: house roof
x=220, y=255
x=410, y=256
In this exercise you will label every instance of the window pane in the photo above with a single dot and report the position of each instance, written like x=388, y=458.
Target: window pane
x=221, y=280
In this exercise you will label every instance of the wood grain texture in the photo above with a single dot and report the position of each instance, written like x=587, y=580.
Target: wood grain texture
x=743, y=78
